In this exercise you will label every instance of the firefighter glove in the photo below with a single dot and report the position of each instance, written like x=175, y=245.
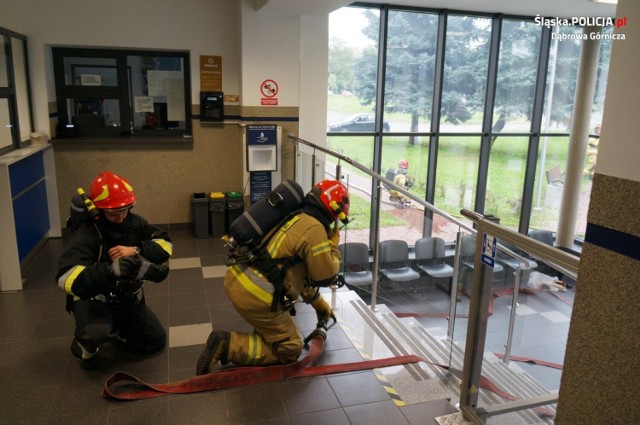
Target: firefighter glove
x=323, y=311
x=153, y=272
x=126, y=268
x=335, y=235
x=108, y=282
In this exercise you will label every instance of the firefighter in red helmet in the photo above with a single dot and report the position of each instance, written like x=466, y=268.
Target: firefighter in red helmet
x=310, y=240
x=403, y=181
x=102, y=270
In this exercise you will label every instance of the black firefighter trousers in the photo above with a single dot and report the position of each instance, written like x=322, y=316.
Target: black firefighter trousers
x=129, y=320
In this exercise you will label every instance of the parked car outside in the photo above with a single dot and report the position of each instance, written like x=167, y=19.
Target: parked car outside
x=360, y=122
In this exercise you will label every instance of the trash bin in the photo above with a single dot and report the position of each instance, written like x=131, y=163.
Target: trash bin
x=200, y=215
x=235, y=207
x=217, y=214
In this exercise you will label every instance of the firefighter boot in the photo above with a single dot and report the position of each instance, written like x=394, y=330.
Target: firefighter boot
x=88, y=360
x=216, y=350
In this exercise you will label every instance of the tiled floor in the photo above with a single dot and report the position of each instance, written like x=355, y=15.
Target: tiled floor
x=41, y=383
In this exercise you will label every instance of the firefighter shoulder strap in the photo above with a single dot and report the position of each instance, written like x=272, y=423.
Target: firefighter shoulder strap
x=250, y=234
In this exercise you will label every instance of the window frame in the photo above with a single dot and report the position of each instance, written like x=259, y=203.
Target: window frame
x=10, y=91
x=122, y=92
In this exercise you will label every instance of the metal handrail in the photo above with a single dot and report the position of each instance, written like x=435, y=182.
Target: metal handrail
x=477, y=322
x=372, y=173
x=560, y=260
x=422, y=202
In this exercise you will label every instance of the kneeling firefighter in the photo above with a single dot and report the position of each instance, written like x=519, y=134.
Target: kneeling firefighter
x=309, y=245
x=102, y=269
x=403, y=181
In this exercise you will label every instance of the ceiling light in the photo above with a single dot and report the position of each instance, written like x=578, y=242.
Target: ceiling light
x=606, y=1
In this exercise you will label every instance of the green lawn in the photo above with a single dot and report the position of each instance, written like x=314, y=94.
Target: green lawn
x=458, y=167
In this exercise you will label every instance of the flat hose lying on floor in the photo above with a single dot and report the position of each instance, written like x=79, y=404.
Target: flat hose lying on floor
x=123, y=386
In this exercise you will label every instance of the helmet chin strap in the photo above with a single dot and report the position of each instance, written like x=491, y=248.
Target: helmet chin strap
x=338, y=210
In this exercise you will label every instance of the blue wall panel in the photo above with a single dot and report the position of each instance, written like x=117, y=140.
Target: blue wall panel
x=31, y=217
x=26, y=172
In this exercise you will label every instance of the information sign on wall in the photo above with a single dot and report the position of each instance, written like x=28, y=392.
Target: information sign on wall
x=210, y=73
x=269, y=90
x=260, y=185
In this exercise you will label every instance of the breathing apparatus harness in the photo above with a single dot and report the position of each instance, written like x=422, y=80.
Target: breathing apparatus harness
x=83, y=210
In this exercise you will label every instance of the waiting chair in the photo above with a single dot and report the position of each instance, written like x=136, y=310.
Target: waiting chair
x=394, y=261
x=511, y=262
x=430, y=255
x=467, y=255
x=546, y=236
x=355, y=264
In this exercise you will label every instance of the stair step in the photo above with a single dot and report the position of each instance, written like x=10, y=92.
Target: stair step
x=402, y=336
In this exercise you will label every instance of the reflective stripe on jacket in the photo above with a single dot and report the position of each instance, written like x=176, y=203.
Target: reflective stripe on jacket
x=302, y=236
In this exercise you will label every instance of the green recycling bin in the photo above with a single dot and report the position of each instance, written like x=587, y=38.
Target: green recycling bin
x=235, y=207
x=200, y=215
x=217, y=214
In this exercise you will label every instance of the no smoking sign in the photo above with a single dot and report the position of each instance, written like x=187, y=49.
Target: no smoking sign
x=269, y=90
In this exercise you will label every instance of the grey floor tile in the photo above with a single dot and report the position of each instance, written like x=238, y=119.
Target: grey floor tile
x=185, y=285
x=180, y=316
x=84, y=418
x=347, y=355
x=181, y=250
x=357, y=388
x=307, y=395
x=199, y=409
x=138, y=364
x=378, y=413
x=79, y=398
x=215, y=291
x=324, y=417
x=37, y=369
x=34, y=326
x=187, y=300
x=423, y=413
x=185, y=274
x=283, y=420
x=142, y=412
x=212, y=260
x=22, y=404
x=266, y=403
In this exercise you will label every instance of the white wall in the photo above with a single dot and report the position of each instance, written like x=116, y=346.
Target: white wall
x=619, y=148
x=202, y=27
x=270, y=51
x=314, y=63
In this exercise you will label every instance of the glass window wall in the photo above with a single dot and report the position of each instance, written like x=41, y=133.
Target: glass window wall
x=507, y=164
x=412, y=38
x=465, y=73
x=353, y=70
x=549, y=184
x=457, y=173
x=409, y=70
x=517, y=66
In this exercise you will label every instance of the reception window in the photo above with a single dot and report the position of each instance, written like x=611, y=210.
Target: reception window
x=102, y=93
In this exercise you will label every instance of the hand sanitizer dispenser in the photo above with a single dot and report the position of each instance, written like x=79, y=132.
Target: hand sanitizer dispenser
x=262, y=144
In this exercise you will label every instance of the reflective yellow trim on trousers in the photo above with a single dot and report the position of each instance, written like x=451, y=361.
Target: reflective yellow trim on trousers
x=250, y=286
x=254, y=349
